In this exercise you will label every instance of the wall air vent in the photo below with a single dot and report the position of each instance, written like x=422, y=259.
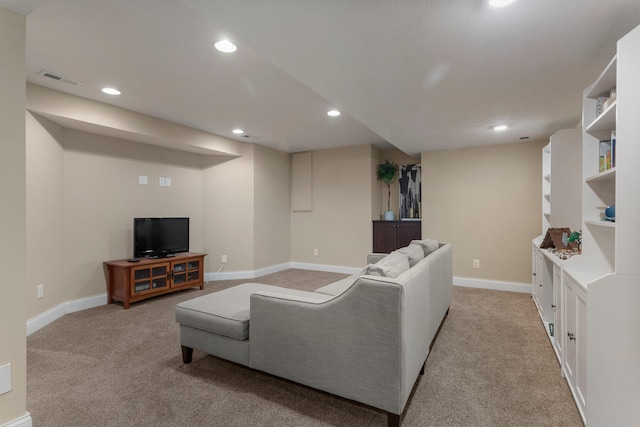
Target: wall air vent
x=58, y=77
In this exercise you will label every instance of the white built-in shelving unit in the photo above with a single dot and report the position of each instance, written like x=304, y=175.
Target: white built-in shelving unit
x=561, y=207
x=601, y=287
x=546, y=188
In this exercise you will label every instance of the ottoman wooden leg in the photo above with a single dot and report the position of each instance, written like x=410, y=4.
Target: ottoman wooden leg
x=187, y=354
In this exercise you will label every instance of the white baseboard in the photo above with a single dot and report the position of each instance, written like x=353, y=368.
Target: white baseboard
x=23, y=421
x=53, y=314
x=326, y=268
x=248, y=275
x=492, y=284
x=245, y=275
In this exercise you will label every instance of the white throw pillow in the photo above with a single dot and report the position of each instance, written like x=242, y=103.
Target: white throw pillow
x=428, y=245
x=392, y=265
x=414, y=252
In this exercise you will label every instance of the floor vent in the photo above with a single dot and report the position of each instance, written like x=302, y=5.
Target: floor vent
x=58, y=77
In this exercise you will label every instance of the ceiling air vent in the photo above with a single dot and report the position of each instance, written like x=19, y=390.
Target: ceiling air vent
x=58, y=77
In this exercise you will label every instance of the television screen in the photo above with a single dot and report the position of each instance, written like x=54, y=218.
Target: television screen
x=160, y=237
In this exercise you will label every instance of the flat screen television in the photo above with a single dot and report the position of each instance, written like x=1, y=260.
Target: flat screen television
x=160, y=237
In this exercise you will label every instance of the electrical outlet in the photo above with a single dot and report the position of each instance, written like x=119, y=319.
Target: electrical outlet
x=40, y=291
x=315, y=252
x=476, y=263
x=223, y=258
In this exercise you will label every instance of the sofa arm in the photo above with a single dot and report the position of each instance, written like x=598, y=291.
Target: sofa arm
x=348, y=345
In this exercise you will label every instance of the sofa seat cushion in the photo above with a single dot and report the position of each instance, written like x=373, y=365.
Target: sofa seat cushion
x=227, y=312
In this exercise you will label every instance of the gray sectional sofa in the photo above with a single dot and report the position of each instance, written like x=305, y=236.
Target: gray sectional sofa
x=364, y=338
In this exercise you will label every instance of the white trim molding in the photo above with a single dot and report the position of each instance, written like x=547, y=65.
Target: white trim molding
x=326, y=268
x=41, y=320
x=247, y=275
x=495, y=285
x=23, y=421
x=53, y=314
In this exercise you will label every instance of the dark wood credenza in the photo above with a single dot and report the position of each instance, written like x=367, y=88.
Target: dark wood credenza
x=130, y=282
x=391, y=235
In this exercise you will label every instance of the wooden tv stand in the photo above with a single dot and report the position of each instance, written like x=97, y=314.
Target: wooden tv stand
x=129, y=282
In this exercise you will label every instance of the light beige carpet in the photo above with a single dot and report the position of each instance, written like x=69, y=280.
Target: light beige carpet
x=492, y=365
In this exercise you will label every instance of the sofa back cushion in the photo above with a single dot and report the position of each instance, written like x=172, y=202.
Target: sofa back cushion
x=428, y=245
x=390, y=266
x=414, y=252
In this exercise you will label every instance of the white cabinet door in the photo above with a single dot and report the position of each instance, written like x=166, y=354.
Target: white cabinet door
x=581, y=343
x=557, y=307
x=538, y=278
x=534, y=262
x=575, y=341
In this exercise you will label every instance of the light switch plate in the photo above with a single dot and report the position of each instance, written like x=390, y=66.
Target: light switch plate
x=162, y=182
x=142, y=180
x=5, y=378
x=167, y=182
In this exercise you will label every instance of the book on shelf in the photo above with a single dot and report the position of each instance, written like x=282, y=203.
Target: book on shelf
x=605, y=162
x=600, y=107
x=613, y=148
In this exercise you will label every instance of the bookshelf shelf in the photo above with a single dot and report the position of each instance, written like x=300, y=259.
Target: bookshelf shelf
x=602, y=125
x=600, y=223
x=605, y=82
x=607, y=176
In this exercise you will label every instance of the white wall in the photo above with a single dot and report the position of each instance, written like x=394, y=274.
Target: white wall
x=487, y=202
x=229, y=211
x=13, y=216
x=340, y=224
x=102, y=196
x=272, y=220
x=45, y=214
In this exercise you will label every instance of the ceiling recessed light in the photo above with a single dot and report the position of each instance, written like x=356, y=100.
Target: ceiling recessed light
x=225, y=46
x=499, y=128
x=500, y=3
x=238, y=131
x=111, y=91
x=333, y=113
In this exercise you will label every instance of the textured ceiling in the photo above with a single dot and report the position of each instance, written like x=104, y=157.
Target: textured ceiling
x=421, y=75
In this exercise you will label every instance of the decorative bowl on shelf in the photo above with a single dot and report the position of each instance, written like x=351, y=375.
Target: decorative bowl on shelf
x=610, y=213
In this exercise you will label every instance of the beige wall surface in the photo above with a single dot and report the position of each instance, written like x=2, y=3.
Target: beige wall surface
x=399, y=158
x=45, y=214
x=486, y=201
x=74, y=112
x=376, y=189
x=102, y=196
x=13, y=223
x=340, y=224
x=229, y=211
x=272, y=219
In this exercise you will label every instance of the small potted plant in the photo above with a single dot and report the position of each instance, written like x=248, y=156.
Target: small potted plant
x=576, y=237
x=387, y=173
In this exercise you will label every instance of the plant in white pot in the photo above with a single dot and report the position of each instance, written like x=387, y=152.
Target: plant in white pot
x=387, y=173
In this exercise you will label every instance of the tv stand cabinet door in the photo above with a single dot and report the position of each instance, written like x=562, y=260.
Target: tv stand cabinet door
x=188, y=273
x=149, y=279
